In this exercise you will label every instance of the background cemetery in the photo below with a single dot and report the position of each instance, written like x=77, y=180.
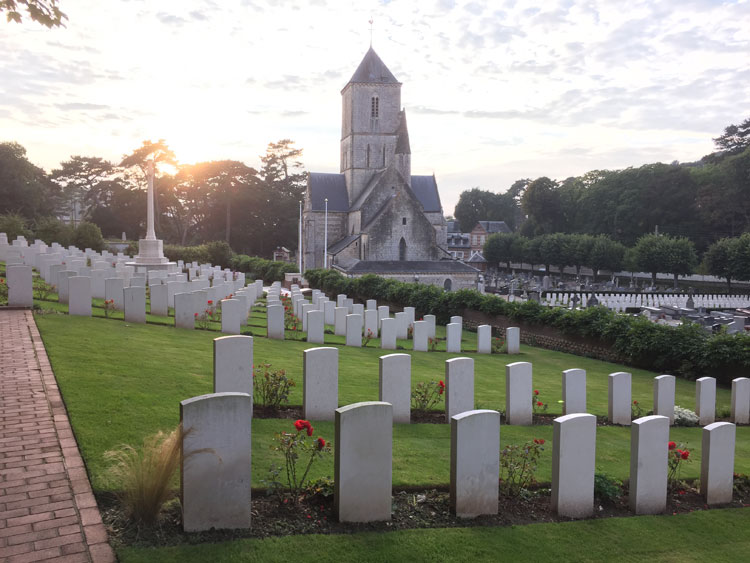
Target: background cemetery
x=368, y=357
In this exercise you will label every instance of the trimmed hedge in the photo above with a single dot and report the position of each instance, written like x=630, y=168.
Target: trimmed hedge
x=217, y=252
x=260, y=268
x=686, y=350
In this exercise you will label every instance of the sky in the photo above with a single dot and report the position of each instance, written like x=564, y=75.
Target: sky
x=494, y=91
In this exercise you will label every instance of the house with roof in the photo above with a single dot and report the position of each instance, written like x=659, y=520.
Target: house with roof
x=376, y=216
x=482, y=231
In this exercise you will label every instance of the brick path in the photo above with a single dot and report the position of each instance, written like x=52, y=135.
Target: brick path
x=47, y=510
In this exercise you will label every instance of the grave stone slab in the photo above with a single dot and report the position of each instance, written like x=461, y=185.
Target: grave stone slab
x=573, y=465
x=216, y=462
x=484, y=339
x=354, y=330
x=372, y=305
x=620, y=398
x=574, y=391
x=320, y=383
x=402, y=325
x=475, y=463
x=421, y=330
x=113, y=291
x=513, y=340
x=275, y=314
x=363, y=468
x=453, y=338
x=358, y=309
x=458, y=319
x=664, y=396
x=717, y=462
x=329, y=308
x=459, y=386
x=388, y=333
x=411, y=313
x=430, y=320
x=384, y=312
x=518, y=394
x=233, y=361
x=79, y=296
x=339, y=328
x=315, y=327
x=62, y=285
x=306, y=308
x=184, y=310
x=740, y=413
x=371, y=322
x=395, y=385
x=705, y=400
x=648, y=464
x=231, y=312
x=20, y=287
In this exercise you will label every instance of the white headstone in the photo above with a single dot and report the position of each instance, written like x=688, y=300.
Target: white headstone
x=372, y=305
x=371, y=322
x=411, y=313
x=315, y=327
x=306, y=308
x=329, y=308
x=231, y=312
x=275, y=314
x=340, y=314
x=717, y=462
x=421, y=330
x=384, y=312
x=705, y=400
x=574, y=391
x=573, y=464
x=358, y=309
x=664, y=396
x=458, y=319
x=518, y=394
x=113, y=291
x=430, y=320
x=402, y=325
x=513, y=339
x=619, y=394
x=395, y=385
x=20, y=287
x=459, y=386
x=216, y=461
x=388, y=333
x=159, y=301
x=484, y=339
x=363, y=466
x=63, y=285
x=233, y=361
x=320, y=383
x=453, y=338
x=354, y=330
x=649, y=439
x=740, y=413
x=184, y=310
x=475, y=463
x=134, y=304
x=79, y=296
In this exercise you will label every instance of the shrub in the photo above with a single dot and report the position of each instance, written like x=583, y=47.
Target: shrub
x=88, y=235
x=518, y=465
x=678, y=456
x=537, y=405
x=271, y=388
x=50, y=229
x=606, y=489
x=42, y=289
x=427, y=394
x=145, y=475
x=219, y=253
x=260, y=268
x=636, y=411
x=685, y=417
x=14, y=225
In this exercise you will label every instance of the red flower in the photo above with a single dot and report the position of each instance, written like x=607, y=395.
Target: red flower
x=300, y=424
x=539, y=441
x=672, y=445
x=685, y=454
x=539, y=404
x=536, y=391
x=441, y=387
x=210, y=302
x=321, y=443
x=309, y=429
x=195, y=315
x=635, y=402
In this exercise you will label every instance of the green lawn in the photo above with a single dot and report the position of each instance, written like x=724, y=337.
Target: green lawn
x=122, y=382
x=717, y=536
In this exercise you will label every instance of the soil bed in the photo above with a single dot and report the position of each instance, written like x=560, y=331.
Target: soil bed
x=411, y=509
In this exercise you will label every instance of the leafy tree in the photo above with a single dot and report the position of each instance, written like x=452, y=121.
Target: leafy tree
x=740, y=256
x=682, y=259
x=77, y=178
x=483, y=205
x=735, y=139
x=651, y=254
x=14, y=225
x=160, y=153
x=499, y=248
x=606, y=254
x=556, y=249
x=44, y=12
x=541, y=203
x=51, y=229
x=24, y=188
x=88, y=235
x=581, y=251
x=718, y=260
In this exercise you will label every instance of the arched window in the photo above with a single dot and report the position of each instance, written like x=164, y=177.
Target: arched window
x=367, y=163
x=402, y=249
x=374, y=107
x=448, y=284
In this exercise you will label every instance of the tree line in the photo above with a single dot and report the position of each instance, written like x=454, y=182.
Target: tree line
x=253, y=210
x=702, y=201
x=728, y=258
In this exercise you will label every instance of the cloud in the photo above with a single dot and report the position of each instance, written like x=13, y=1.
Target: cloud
x=80, y=106
x=198, y=16
x=170, y=19
x=293, y=113
x=432, y=111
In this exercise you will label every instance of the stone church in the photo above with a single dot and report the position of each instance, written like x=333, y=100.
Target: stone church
x=381, y=218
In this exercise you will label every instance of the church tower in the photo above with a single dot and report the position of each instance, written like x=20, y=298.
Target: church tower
x=371, y=104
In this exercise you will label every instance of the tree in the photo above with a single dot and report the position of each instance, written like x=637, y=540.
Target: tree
x=541, y=203
x=483, y=205
x=50, y=229
x=556, y=249
x=718, y=260
x=77, y=178
x=44, y=12
x=651, y=254
x=682, y=259
x=14, y=226
x=88, y=235
x=24, y=188
x=499, y=248
x=740, y=256
x=735, y=139
x=581, y=251
x=160, y=153
x=606, y=254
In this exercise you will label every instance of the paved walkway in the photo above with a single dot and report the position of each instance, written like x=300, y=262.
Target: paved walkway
x=47, y=510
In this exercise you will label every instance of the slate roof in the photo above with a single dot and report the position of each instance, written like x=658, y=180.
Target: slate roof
x=495, y=226
x=372, y=70
x=331, y=186
x=458, y=240
x=426, y=190
x=453, y=226
x=340, y=245
x=477, y=257
x=411, y=267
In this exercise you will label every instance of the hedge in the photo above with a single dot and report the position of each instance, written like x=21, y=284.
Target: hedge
x=686, y=350
x=260, y=268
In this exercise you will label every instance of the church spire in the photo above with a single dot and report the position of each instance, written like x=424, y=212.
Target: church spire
x=402, y=135
x=372, y=70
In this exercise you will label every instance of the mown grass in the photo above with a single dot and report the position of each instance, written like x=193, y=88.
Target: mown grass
x=122, y=382
x=717, y=536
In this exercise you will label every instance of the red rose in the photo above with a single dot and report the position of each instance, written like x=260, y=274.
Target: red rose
x=300, y=424
x=210, y=302
x=539, y=441
x=672, y=445
x=536, y=391
x=309, y=429
x=685, y=454
x=635, y=402
x=321, y=443
x=441, y=383
x=539, y=404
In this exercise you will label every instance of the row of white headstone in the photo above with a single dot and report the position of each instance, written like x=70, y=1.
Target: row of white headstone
x=217, y=450
x=619, y=302
x=355, y=320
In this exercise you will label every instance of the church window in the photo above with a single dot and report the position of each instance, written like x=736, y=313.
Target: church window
x=448, y=284
x=402, y=249
x=374, y=107
x=367, y=163
x=403, y=221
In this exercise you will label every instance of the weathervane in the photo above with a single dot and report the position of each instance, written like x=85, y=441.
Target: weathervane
x=370, y=21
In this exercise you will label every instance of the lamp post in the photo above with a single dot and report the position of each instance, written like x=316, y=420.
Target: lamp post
x=299, y=242
x=325, y=240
